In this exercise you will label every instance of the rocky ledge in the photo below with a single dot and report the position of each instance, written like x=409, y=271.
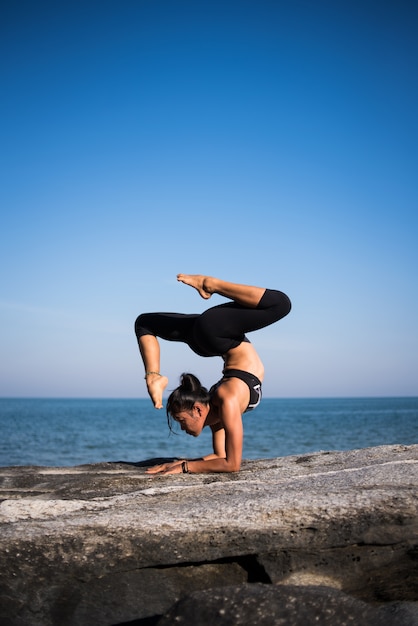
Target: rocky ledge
x=328, y=538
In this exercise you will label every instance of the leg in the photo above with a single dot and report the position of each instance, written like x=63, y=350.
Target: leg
x=156, y=383
x=223, y=327
x=206, y=285
x=169, y=326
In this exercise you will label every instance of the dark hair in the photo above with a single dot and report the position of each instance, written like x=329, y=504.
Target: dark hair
x=184, y=397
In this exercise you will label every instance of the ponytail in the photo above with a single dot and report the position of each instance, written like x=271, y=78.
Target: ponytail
x=184, y=397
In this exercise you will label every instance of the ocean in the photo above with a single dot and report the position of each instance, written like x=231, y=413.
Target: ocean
x=65, y=432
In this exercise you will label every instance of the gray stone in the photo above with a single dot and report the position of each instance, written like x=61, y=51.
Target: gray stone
x=400, y=613
x=272, y=605
x=107, y=543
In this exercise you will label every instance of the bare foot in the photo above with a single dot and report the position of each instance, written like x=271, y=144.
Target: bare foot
x=197, y=281
x=156, y=385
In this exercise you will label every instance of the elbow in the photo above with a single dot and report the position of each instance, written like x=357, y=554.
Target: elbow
x=234, y=466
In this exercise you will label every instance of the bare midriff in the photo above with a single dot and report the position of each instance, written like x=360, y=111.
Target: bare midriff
x=244, y=357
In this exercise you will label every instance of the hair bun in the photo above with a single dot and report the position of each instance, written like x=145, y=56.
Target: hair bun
x=190, y=383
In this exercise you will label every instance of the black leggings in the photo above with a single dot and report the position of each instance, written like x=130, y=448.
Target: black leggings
x=220, y=328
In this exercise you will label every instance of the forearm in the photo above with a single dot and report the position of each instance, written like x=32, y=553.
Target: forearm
x=213, y=463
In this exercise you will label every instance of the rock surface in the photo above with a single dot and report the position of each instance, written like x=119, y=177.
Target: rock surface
x=107, y=544
x=284, y=605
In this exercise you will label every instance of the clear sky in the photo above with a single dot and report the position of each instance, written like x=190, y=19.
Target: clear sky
x=265, y=142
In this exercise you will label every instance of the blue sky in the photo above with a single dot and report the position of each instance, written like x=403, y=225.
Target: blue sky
x=269, y=143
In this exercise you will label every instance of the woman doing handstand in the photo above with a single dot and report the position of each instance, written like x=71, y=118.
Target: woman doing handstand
x=219, y=331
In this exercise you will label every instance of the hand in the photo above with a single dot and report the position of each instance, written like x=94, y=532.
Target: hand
x=166, y=468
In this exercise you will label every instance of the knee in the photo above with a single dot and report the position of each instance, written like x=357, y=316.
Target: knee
x=139, y=326
x=274, y=299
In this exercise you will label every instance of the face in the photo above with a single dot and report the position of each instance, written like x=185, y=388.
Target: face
x=192, y=421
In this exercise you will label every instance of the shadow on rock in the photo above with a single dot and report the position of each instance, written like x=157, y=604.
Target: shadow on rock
x=147, y=462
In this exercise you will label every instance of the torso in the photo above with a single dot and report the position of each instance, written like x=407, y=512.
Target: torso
x=243, y=357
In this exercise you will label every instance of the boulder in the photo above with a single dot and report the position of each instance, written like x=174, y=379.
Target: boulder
x=107, y=544
x=283, y=605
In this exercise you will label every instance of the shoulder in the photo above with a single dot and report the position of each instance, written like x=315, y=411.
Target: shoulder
x=230, y=398
x=228, y=390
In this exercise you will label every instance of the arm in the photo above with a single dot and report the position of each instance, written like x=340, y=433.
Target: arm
x=227, y=457
x=218, y=442
x=227, y=441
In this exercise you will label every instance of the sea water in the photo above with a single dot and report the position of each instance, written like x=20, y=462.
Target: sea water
x=60, y=432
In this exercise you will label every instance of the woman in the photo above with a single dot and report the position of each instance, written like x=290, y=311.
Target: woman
x=219, y=331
